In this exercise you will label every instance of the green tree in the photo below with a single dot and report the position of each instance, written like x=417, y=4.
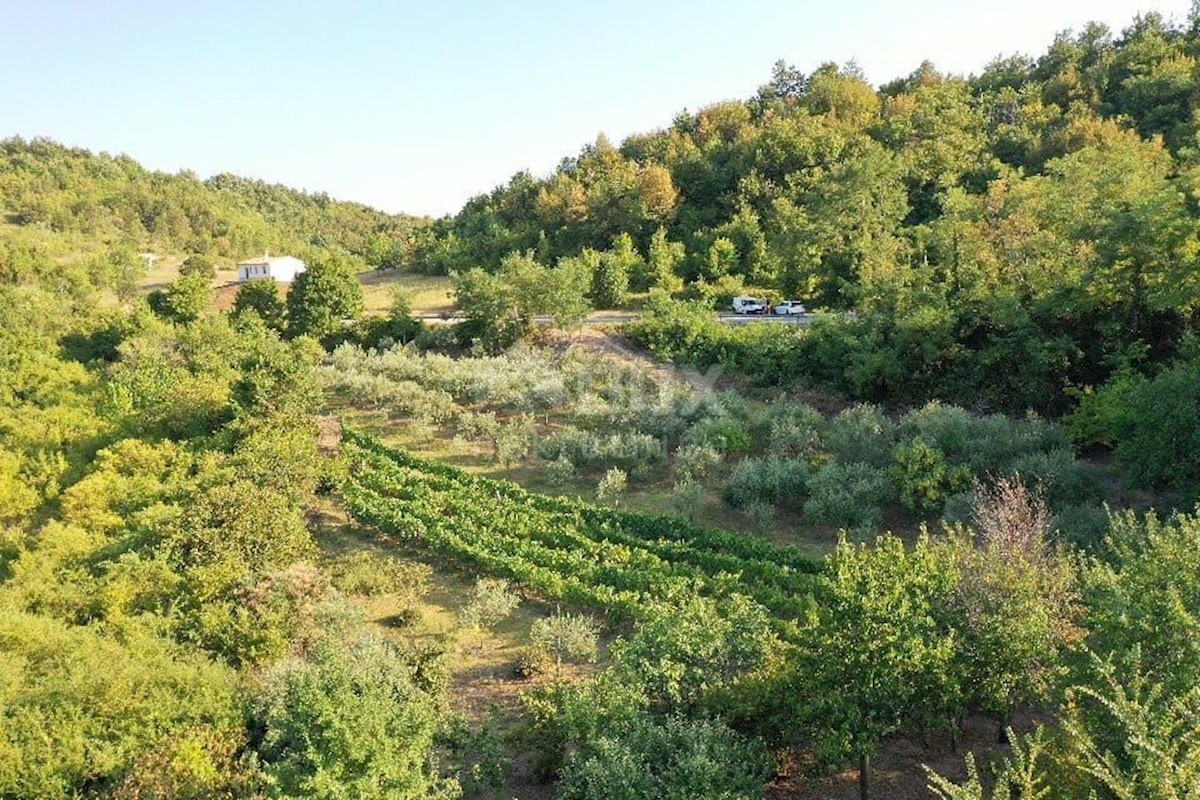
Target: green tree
x=665, y=259
x=565, y=637
x=564, y=293
x=197, y=264
x=612, y=486
x=325, y=299
x=894, y=660
x=185, y=300
x=721, y=259
x=500, y=309
x=1015, y=607
x=242, y=525
x=263, y=298
x=82, y=707
x=351, y=721
x=1107, y=200
x=491, y=603
x=613, y=268
x=689, y=649
x=1143, y=598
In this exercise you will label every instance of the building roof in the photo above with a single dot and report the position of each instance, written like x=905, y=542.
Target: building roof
x=268, y=260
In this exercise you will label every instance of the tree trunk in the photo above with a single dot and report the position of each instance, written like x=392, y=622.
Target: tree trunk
x=864, y=777
x=1002, y=734
x=954, y=734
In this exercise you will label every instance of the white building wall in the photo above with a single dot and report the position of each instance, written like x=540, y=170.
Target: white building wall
x=283, y=269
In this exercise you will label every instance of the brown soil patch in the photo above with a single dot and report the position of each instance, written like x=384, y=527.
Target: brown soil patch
x=899, y=767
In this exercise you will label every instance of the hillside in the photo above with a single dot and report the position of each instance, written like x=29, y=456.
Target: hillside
x=64, y=205
x=935, y=542
x=1038, y=219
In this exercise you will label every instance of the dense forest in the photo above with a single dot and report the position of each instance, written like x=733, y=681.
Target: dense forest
x=290, y=549
x=1008, y=239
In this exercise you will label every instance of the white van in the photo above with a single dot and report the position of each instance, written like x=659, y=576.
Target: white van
x=748, y=305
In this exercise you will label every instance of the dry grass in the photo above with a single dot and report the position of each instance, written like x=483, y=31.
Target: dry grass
x=427, y=294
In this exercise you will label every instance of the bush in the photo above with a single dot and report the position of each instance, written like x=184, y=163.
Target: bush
x=924, y=479
x=725, y=434
x=560, y=472
x=1084, y=526
x=959, y=508
x=491, y=603
x=635, y=453
x=365, y=573
x=350, y=721
x=84, y=710
x=765, y=480
x=669, y=759
x=848, y=496
x=695, y=462
x=796, y=431
x=861, y=434
x=1155, y=426
x=1061, y=478
x=950, y=429
x=762, y=515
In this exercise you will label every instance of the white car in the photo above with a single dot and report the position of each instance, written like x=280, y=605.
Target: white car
x=748, y=305
x=790, y=308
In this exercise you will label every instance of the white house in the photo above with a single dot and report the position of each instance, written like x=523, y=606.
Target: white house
x=282, y=269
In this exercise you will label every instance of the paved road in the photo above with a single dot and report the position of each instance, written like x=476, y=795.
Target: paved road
x=619, y=318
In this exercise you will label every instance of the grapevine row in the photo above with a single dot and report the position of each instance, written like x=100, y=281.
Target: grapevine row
x=561, y=548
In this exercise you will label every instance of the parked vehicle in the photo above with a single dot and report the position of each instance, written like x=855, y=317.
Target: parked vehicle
x=748, y=305
x=790, y=308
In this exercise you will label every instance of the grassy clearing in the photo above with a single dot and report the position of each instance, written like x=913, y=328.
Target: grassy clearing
x=428, y=294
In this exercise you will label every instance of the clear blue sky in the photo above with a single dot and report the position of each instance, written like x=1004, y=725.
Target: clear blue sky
x=417, y=106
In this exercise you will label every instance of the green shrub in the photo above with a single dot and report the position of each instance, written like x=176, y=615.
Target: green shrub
x=1155, y=425
x=689, y=649
x=83, y=710
x=668, y=759
x=796, y=431
x=560, y=471
x=848, y=496
x=369, y=574
x=350, y=721
x=635, y=453
x=491, y=603
x=1084, y=526
x=923, y=478
x=1061, y=478
x=861, y=434
x=725, y=434
x=695, y=462
x=765, y=480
